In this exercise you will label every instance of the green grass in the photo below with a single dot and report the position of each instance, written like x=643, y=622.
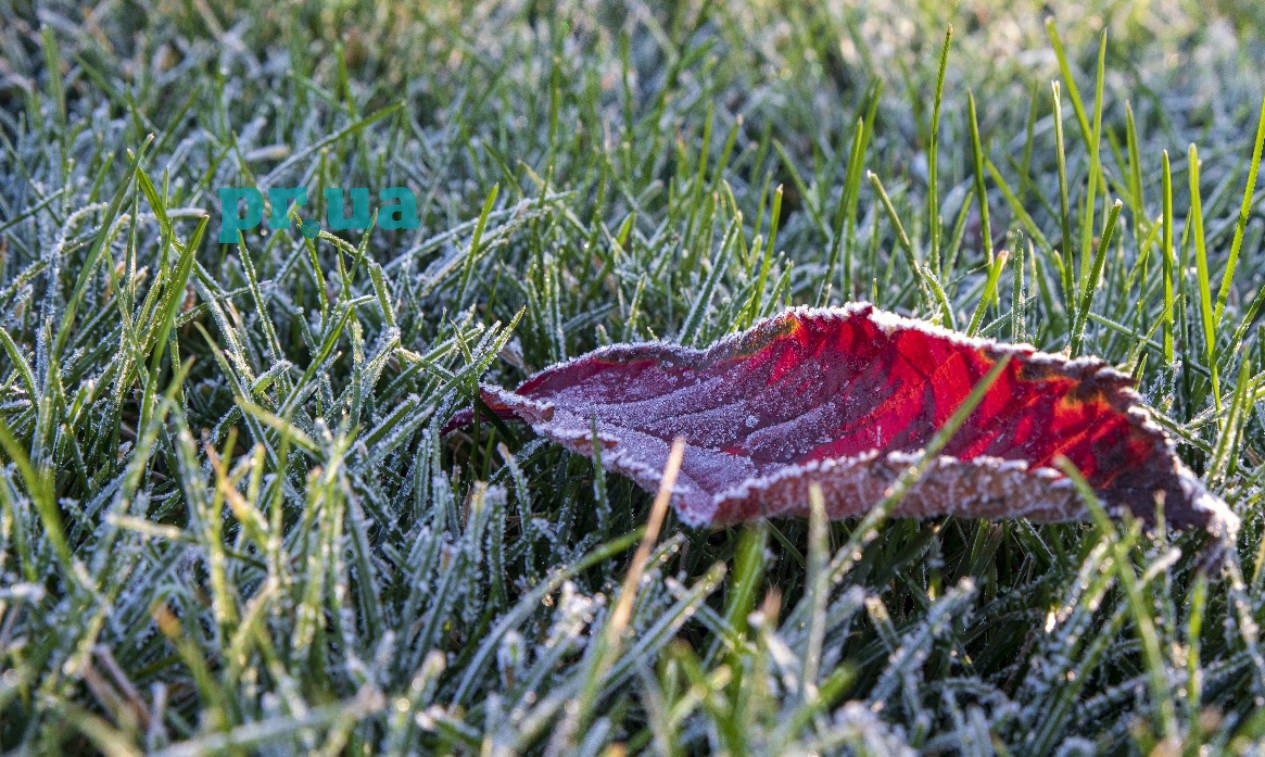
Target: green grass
x=229, y=521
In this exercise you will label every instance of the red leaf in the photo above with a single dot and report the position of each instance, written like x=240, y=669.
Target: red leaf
x=848, y=398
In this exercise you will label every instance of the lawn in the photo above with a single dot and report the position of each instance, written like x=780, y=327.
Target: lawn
x=230, y=520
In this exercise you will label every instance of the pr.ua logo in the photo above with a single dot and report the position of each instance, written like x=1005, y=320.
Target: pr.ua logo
x=242, y=209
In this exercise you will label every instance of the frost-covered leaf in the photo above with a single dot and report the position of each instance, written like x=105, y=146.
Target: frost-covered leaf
x=848, y=398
